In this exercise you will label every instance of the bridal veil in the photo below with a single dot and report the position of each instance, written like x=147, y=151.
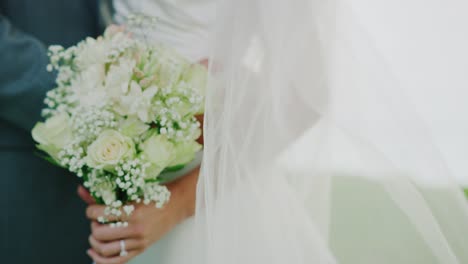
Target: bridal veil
x=315, y=149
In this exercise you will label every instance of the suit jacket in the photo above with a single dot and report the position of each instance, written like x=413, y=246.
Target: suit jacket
x=42, y=219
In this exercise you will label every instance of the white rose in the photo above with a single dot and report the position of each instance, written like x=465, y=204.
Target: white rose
x=105, y=190
x=133, y=127
x=185, y=152
x=196, y=75
x=54, y=134
x=184, y=108
x=160, y=152
x=167, y=65
x=108, y=149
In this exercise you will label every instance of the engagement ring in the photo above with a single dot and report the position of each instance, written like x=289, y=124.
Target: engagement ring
x=123, y=251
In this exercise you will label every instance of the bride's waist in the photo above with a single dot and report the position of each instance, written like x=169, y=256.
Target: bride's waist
x=191, y=45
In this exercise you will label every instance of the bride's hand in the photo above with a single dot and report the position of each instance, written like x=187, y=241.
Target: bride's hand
x=146, y=225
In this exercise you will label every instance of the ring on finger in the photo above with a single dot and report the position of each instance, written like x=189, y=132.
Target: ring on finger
x=123, y=251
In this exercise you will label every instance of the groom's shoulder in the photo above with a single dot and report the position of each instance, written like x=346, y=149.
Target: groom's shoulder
x=54, y=21
x=74, y=6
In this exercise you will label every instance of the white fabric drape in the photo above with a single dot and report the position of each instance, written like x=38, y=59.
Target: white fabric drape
x=314, y=149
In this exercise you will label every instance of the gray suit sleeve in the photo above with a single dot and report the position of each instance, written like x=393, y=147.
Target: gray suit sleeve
x=24, y=79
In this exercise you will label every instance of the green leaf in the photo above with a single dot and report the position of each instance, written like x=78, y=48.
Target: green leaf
x=173, y=168
x=48, y=158
x=156, y=180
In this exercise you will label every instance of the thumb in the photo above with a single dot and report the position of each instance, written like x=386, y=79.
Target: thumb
x=85, y=196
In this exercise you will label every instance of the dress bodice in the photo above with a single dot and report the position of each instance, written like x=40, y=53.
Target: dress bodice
x=183, y=24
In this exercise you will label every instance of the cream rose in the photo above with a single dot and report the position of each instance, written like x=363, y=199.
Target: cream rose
x=133, y=127
x=196, y=75
x=108, y=149
x=185, y=152
x=54, y=134
x=160, y=152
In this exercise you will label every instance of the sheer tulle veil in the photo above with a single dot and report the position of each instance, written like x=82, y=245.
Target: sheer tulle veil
x=314, y=149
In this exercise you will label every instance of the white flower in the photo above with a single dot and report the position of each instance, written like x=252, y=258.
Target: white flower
x=138, y=102
x=109, y=149
x=54, y=134
x=133, y=127
x=185, y=152
x=92, y=52
x=165, y=64
x=88, y=87
x=160, y=152
x=118, y=78
x=128, y=209
x=196, y=76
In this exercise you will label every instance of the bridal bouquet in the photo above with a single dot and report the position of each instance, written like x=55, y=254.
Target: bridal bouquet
x=122, y=114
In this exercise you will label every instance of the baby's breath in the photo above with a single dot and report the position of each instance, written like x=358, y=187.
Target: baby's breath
x=73, y=158
x=89, y=122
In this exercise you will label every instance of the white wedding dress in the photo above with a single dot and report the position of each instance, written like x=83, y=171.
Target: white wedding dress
x=318, y=147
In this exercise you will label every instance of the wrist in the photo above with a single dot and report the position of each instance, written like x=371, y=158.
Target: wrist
x=183, y=194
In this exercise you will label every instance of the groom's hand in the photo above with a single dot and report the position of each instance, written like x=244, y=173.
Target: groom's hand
x=146, y=225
